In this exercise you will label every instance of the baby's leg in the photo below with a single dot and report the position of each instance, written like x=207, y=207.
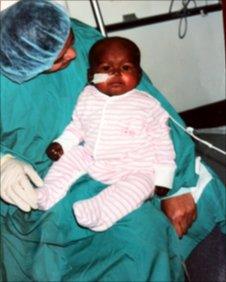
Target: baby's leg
x=62, y=175
x=114, y=202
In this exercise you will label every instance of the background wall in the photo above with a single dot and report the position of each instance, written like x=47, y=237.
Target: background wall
x=190, y=71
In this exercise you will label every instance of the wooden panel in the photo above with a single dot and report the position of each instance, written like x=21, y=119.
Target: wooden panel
x=212, y=115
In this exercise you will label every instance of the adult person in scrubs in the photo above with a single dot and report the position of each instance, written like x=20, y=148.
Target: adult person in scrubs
x=43, y=70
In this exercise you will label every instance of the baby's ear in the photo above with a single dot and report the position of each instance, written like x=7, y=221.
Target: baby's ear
x=89, y=75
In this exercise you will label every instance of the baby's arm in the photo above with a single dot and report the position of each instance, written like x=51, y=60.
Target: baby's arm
x=164, y=150
x=71, y=136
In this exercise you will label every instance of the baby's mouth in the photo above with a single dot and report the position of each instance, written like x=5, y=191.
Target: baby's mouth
x=116, y=84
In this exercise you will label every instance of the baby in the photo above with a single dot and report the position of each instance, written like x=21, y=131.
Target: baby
x=118, y=135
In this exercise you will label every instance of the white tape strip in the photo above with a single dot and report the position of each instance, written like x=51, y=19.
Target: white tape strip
x=100, y=77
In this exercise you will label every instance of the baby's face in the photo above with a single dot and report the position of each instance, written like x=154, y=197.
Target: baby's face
x=124, y=73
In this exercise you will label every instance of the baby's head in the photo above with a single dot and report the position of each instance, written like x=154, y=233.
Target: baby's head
x=119, y=59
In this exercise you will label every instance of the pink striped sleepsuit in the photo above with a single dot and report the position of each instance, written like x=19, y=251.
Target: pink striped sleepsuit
x=126, y=144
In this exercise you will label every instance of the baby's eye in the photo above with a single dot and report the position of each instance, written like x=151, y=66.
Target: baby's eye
x=127, y=67
x=105, y=68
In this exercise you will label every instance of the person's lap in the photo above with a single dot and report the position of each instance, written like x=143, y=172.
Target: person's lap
x=137, y=248
x=141, y=247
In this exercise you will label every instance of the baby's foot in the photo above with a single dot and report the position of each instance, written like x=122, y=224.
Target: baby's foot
x=48, y=197
x=87, y=212
x=42, y=195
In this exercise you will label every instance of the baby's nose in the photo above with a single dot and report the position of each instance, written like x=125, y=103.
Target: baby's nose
x=116, y=71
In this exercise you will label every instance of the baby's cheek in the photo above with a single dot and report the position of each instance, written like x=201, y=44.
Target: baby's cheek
x=102, y=87
x=131, y=80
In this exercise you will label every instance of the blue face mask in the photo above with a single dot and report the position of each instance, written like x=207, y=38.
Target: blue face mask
x=33, y=34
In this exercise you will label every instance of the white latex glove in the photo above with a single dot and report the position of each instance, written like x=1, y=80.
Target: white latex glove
x=16, y=184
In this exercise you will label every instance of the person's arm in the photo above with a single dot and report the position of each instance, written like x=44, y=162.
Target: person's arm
x=180, y=208
x=181, y=211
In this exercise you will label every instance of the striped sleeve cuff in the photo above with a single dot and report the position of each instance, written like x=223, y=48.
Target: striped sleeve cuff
x=164, y=175
x=67, y=140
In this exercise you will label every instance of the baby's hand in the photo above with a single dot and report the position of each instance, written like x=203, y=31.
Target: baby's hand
x=54, y=151
x=161, y=191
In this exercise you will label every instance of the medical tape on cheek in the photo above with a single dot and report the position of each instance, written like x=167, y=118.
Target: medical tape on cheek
x=100, y=77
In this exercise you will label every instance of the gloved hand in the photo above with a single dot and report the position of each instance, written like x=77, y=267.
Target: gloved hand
x=16, y=184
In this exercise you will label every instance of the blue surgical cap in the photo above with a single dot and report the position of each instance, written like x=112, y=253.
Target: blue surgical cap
x=33, y=33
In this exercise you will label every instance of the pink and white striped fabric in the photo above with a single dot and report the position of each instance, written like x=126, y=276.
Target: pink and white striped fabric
x=126, y=145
